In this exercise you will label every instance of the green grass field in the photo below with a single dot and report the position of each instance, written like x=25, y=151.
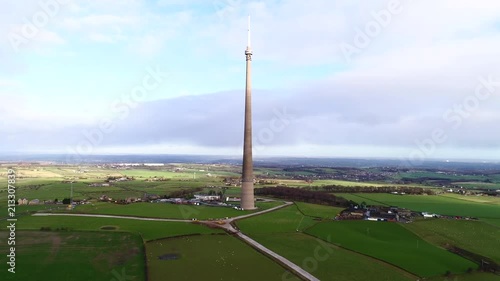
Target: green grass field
x=437, y=175
x=148, y=229
x=46, y=182
x=495, y=222
x=301, y=183
x=478, y=185
x=439, y=204
x=474, y=276
x=327, y=261
x=167, y=210
x=392, y=243
x=476, y=199
x=50, y=189
x=473, y=236
x=320, y=211
x=287, y=219
x=74, y=256
x=290, y=231
x=278, y=231
x=210, y=257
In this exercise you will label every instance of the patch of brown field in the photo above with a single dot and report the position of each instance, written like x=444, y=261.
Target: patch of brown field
x=33, y=238
x=38, y=173
x=54, y=249
x=116, y=258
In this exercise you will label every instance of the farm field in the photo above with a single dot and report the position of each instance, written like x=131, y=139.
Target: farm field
x=75, y=256
x=474, y=276
x=210, y=257
x=478, y=185
x=321, y=211
x=278, y=231
x=46, y=182
x=50, y=189
x=357, y=249
x=438, y=175
x=495, y=222
x=288, y=219
x=473, y=236
x=167, y=210
x=439, y=204
x=392, y=243
x=328, y=182
x=327, y=261
x=149, y=230
x=476, y=199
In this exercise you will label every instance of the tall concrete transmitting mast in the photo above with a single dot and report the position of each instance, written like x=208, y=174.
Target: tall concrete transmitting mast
x=247, y=196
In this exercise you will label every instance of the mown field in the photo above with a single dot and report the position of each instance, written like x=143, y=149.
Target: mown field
x=167, y=210
x=473, y=236
x=301, y=183
x=51, y=189
x=474, y=276
x=281, y=231
x=210, y=257
x=392, y=243
x=438, y=175
x=149, y=230
x=478, y=185
x=288, y=219
x=492, y=200
x=75, y=256
x=320, y=211
x=439, y=204
x=46, y=182
x=329, y=262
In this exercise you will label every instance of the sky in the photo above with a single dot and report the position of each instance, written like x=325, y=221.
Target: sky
x=413, y=80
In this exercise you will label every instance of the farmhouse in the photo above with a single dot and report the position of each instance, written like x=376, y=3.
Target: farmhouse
x=154, y=164
x=178, y=200
x=427, y=215
x=376, y=213
x=351, y=214
x=99, y=184
x=22, y=201
x=105, y=198
x=133, y=200
x=34, y=202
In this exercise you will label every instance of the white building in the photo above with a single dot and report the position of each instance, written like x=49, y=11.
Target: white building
x=207, y=197
x=154, y=164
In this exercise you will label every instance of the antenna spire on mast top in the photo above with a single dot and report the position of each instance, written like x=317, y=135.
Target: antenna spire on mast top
x=249, y=44
x=248, y=51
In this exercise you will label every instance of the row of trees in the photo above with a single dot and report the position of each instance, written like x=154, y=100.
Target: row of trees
x=370, y=189
x=184, y=193
x=304, y=195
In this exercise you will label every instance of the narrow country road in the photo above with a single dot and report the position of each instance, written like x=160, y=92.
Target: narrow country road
x=287, y=263
x=157, y=219
x=108, y=216
x=290, y=265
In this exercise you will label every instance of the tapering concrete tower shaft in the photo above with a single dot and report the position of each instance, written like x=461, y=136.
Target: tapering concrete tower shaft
x=247, y=196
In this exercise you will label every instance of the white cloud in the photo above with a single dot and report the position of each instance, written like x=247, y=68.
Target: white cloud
x=100, y=38
x=395, y=91
x=149, y=45
x=98, y=21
